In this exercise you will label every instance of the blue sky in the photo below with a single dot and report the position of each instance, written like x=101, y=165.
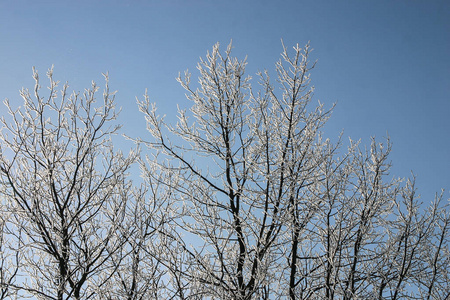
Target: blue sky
x=385, y=63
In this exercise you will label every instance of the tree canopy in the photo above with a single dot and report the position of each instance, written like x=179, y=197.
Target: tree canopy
x=242, y=198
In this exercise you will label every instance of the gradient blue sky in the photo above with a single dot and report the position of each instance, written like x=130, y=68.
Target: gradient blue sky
x=386, y=63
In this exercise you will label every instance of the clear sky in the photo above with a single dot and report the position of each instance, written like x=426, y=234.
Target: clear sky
x=386, y=63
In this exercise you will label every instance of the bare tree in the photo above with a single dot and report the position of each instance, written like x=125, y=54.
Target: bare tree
x=247, y=200
x=67, y=190
x=267, y=208
x=249, y=204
